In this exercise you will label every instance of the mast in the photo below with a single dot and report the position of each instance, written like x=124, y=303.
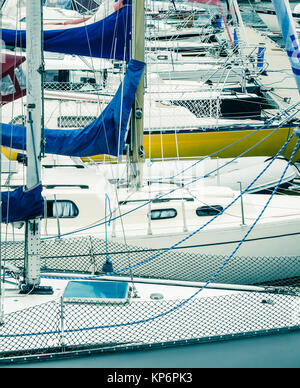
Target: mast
x=137, y=122
x=240, y=21
x=290, y=36
x=33, y=133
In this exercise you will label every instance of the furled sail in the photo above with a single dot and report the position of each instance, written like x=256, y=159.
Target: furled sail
x=21, y=205
x=107, y=38
x=285, y=19
x=105, y=135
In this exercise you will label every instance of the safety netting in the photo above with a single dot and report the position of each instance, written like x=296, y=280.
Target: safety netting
x=269, y=305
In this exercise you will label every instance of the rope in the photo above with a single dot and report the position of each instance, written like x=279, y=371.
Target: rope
x=197, y=230
x=193, y=181
x=107, y=199
x=184, y=302
x=192, y=234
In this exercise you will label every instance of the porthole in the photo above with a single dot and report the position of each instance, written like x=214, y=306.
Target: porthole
x=163, y=214
x=205, y=211
x=61, y=209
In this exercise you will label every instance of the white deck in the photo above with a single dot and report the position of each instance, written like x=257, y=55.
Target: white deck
x=279, y=74
x=35, y=322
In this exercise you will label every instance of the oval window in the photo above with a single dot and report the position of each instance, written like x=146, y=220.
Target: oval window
x=205, y=211
x=163, y=214
x=162, y=57
x=61, y=209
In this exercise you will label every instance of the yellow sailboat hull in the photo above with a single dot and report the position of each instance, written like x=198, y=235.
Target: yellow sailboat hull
x=9, y=154
x=266, y=142
x=223, y=144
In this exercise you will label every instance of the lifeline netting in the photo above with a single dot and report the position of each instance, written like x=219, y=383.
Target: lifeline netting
x=60, y=327
x=88, y=254
x=109, y=327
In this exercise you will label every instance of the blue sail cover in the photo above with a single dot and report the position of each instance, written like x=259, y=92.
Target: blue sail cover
x=105, y=135
x=20, y=205
x=108, y=38
x=285, y=19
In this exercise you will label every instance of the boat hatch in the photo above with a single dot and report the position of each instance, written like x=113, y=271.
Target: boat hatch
x=96, y=292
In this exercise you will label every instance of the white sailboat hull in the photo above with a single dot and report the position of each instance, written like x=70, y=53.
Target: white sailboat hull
x=270, y=19
x=268, y=253
x=191, y=232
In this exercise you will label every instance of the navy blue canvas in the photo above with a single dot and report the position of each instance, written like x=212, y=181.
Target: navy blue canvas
x=105, y=135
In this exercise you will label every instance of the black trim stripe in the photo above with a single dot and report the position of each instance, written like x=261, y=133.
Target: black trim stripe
x=271, y=12
x=209, y=130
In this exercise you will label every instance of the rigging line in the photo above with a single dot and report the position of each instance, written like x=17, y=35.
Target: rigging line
x=198, y=230
x=12, y=110
x=15, y=61
x=10, y=162
x=123, y=229
x=42, y=71
x=116, y=190
x=162, y=195
x=185, y=301
x=34, y=147
x=219, y=168
x=120, y=152
x=270, y=190
x=109, y=220
x=77, y=3
x=125, y=242
x=146, y=203
x=214, y=72
x=98, y=96
x=225, y=209
x=1, y=273
x=209, y=156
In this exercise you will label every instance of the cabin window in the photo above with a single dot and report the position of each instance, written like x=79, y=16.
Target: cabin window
x=205, y=211
x=61, y=209
x=51, y=76
x=88, y=80
x=163, y=214
x=57, y=76
x=162, y=57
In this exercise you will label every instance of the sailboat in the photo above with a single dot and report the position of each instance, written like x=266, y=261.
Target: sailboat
x=15, y=13
x=74, y=311
x=218, y=133
x=269, y=17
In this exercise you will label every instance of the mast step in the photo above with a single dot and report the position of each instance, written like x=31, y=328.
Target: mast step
x=36, y=290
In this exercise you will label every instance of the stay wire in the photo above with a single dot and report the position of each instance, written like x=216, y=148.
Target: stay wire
x=175, y=189
x=198, y=230
x=187, y=300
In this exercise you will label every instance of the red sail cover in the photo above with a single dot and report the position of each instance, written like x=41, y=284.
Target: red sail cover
x=12, y=78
